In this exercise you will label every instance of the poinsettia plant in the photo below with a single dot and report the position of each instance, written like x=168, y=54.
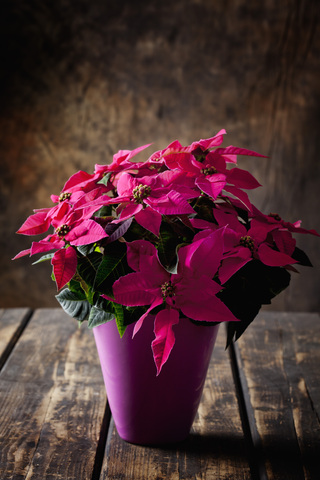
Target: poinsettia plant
x=175, y=236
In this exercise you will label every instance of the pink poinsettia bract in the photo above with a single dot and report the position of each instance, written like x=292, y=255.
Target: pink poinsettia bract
x=172, y=238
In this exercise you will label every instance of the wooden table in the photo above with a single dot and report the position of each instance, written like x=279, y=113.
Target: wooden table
x=259, y=416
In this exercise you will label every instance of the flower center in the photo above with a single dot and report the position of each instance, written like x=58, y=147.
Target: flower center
x=167, y=290
x=199, y=154
x=275, y=216
x=155, y=167
x=208, y=170
x=64, y=196
x=140, y=192
x=63, y=230
x=248, y=242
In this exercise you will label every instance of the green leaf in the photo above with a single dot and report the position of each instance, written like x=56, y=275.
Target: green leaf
x=74, y=305
x=132, y=314
x=112, y=266
x=88, y=267
x=136, y=232
x=98, y=316
x=119, y=314
x=105, y=179
x=252, y=286
x=104, y=211
x=168, y=242
x=86, y=249
x=204, y=208
x=48, y=256
x=75, y=286
x=301, y=257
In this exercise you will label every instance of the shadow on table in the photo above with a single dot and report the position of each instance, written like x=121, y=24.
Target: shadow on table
x=210, y=443
x=284, y=457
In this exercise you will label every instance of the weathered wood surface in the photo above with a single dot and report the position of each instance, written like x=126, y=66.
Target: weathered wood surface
x=12, y=323
x=216, y=448
x=279, y=357
x=54, y=422
x=52, y=402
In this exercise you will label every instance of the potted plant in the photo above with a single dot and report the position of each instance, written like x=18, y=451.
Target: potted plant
x=154, y=255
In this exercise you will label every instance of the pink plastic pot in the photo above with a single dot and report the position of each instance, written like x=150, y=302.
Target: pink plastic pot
x=147, y=409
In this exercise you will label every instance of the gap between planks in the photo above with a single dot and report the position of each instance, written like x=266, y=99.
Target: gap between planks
x=250, y=431
x=102, y=442
x=25, y=319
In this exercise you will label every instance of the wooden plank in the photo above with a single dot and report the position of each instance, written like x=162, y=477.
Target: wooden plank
x=215, y=448
x=52, y=401
x=12, y=323
x=280, y=357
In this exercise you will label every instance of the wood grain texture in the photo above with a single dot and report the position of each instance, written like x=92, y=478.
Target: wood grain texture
x=12, y=323
x=52, y=401
x=52, y=404
x=280, y=358
x=215, y=448
x=78, y=84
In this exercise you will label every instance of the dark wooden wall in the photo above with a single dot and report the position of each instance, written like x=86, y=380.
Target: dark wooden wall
x=81, y=80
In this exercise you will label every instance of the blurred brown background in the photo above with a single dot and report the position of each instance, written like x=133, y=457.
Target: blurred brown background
x=82, y=79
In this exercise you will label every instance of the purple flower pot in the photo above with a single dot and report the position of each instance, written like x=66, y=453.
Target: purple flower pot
x=147, y=409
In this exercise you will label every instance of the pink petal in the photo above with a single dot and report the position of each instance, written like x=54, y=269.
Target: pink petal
x=55, y=198
x=207, y=143
x=263, y=222
x=284, y=241
x=213, y=310
x=238, y=151
x=110, y=299
x=230, y=220
x=80, y=198
x=202, y=257
x=87, y=232
x=35, y=224
x=126, y=184
x=132, y=290
x=179, y=160
x=142, y=257
x=259, y=232
x=23, y=253
x=150, y=220
x=231, y=265
x=174, y=146
x=295, y=227
x=209, y=309
x=139, y=323
x=128, y=154
x=216, y=161
x=64, y=264
x=212, y=185
x=138, y=249
x=59, y=214
x=129, y=211
x=88, y=210
x=202, y=224
x=164, y=336
x=242, y=196
x=191, y=289
x=171, y=204
x=78, y=179
x=46, y=246
x=272, y=258
x=242, y=179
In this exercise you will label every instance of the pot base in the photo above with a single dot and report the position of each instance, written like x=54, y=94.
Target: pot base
x=149, y=409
